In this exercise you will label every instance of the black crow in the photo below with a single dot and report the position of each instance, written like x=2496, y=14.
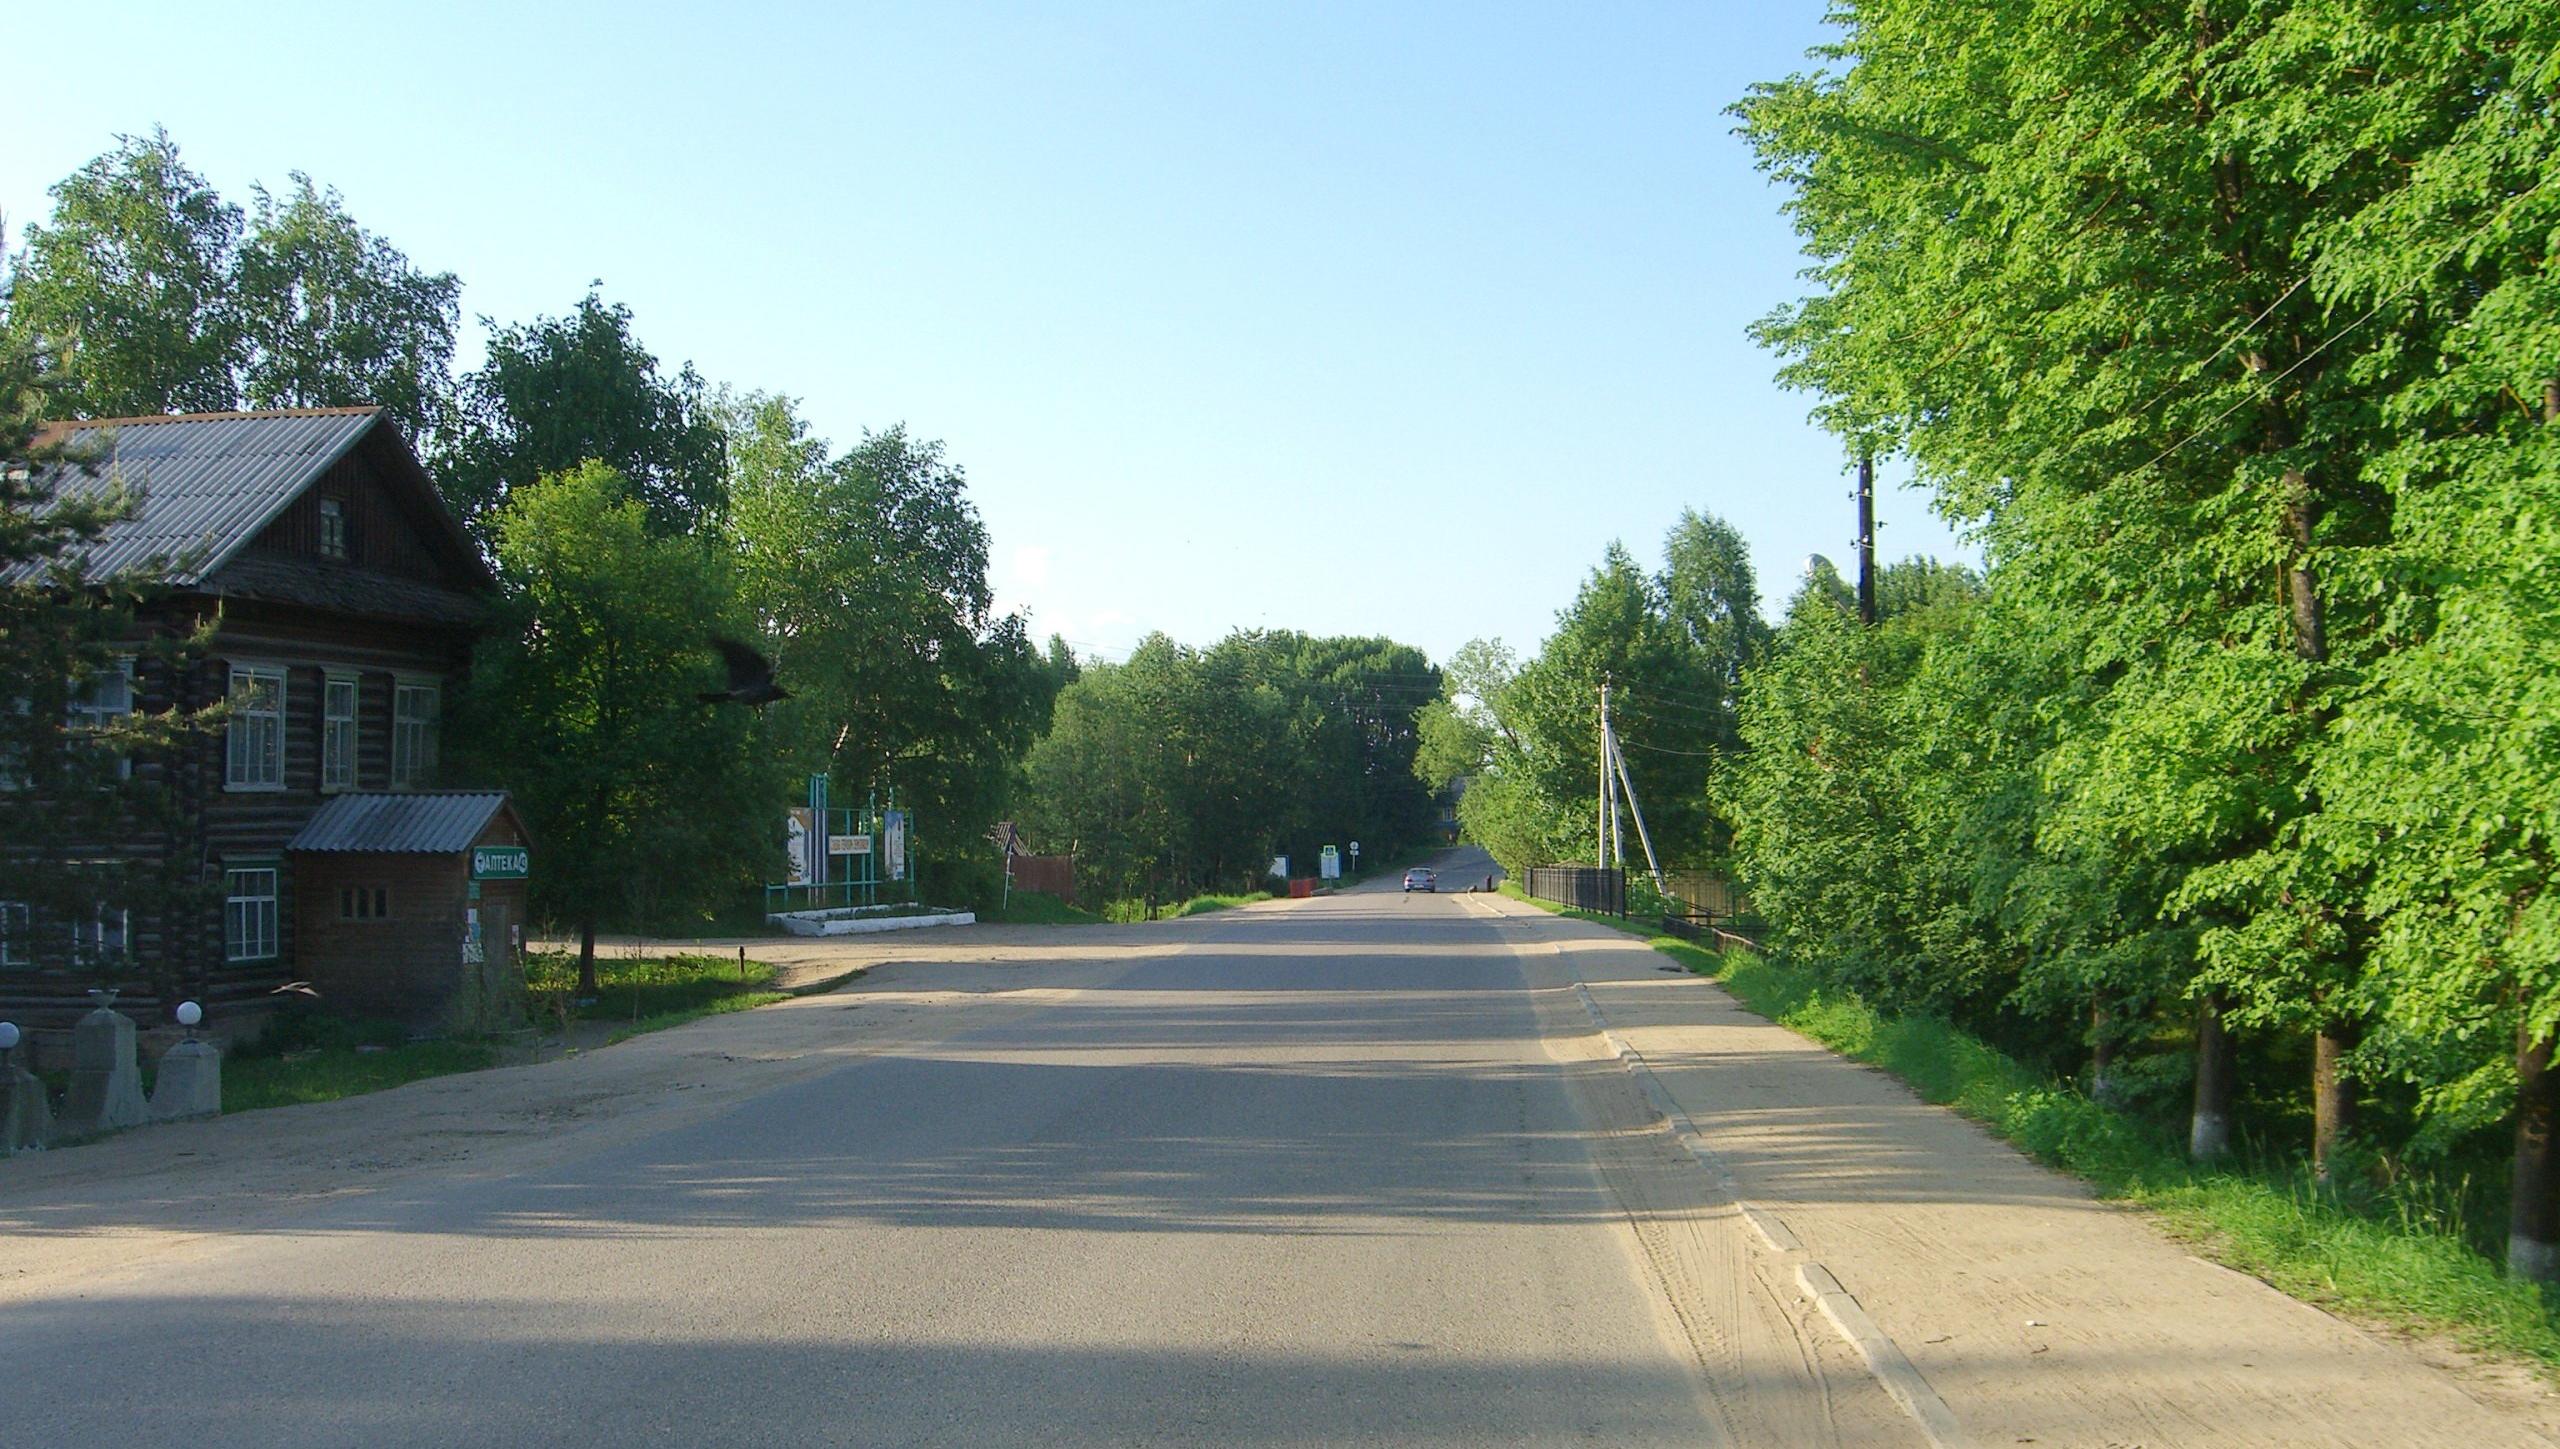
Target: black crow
x=750, y=676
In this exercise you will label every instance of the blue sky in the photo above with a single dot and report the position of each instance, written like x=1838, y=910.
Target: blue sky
x=1358, y=319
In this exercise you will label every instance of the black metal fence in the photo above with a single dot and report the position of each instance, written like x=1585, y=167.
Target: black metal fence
x=1599, y=889
x=1701, y=907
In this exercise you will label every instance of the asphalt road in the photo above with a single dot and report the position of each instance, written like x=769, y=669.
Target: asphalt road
x=1322, y=1174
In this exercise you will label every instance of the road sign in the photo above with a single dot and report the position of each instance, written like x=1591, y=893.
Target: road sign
x=1330, y=866
x=500, y=862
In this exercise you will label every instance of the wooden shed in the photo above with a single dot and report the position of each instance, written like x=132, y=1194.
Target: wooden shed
x=411, y=907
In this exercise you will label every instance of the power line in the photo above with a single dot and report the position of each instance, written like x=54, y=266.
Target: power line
x=1625, y=743
x=2264, y=388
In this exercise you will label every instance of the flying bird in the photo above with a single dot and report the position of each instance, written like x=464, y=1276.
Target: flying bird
x=750, y=676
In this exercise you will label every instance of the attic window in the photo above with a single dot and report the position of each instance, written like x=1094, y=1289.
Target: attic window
x=333, y=528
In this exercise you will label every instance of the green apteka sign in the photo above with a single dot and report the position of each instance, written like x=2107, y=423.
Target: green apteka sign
x=500, y=862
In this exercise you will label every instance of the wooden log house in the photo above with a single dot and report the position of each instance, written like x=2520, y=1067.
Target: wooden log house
x=344, y=598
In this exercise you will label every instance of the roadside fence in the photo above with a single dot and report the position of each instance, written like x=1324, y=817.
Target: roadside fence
x=1697, y=906
x=1600, y=889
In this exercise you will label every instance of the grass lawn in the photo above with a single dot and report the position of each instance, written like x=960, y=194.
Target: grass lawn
x=306, y=1057
x=2393, y=1257
x=314, y=1058
x=1130, y=911
x=649, y=993
x=324, y=1074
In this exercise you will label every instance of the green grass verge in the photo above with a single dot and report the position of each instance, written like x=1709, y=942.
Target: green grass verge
x=324, y=1074
x=2373, y=1260
x=1126, y=912
x=651, y=993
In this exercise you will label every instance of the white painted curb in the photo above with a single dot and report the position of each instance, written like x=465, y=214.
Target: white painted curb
x=1893, y=1371
x=866, y=925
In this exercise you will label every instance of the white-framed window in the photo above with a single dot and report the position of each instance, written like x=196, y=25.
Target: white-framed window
x=249, y=913
x=333, y=528
x=414, y=710
x=13, y=735
x=101, y=700
x=254, y=758
x=364, y=903
x=104, y=935
x=338, y=732
x=17, y=945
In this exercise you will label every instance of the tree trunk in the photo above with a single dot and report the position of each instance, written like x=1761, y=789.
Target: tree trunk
x=2533, y=1219
x=2209, y=1132
x=587, y=987
x=2333, y=1094
x=2102, y=1054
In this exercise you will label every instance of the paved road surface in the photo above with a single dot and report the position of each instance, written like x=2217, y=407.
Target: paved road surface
x=1356, y=1170
x=1311, y=1179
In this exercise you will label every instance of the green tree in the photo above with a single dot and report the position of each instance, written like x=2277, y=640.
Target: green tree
x=869, y=570
x=557, y=392
x=2062, y=260
x=1664, y=705
x=2440, y=776
x=1461, y=729
x=333, y=315
x=1188, y=769
x=125, y=293
x=650, y=804
x=1713, y=595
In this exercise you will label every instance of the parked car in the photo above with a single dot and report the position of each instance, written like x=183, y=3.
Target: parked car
x=1421, y=880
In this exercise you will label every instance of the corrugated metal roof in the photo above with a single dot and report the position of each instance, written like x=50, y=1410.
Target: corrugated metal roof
x=434, y=822
x=208, y=481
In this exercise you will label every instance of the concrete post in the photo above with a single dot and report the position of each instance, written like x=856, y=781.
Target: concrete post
x=25, y=1120
x=106, y=1078
x=190, y=1082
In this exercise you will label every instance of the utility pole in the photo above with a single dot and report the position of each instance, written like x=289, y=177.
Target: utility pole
x=1644, y=837
x=1608, y=785
x=1866, y=538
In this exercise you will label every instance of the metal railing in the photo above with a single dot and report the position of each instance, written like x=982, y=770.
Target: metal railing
x=1599, y=889
x=1697, y=906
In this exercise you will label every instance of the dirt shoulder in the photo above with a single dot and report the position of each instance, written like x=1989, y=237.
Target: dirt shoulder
x=142, y=1202
x=2038, y=1312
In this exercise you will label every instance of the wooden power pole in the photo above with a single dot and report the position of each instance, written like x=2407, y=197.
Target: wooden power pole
x=1866, y=539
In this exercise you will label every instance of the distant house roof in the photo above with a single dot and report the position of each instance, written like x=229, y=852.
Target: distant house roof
x=427, y=822
x=210, y=482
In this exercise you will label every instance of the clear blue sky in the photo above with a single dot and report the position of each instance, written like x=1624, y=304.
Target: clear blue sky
x=1349, y=319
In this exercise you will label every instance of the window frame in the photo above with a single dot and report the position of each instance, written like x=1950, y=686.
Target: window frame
x=332, y=753
x=413, y=738
x=89, y=936
x=233, y=899
x=254, y=670
x=334, y=542
x=17, y=942
x=364, y=905
x=81, y=715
